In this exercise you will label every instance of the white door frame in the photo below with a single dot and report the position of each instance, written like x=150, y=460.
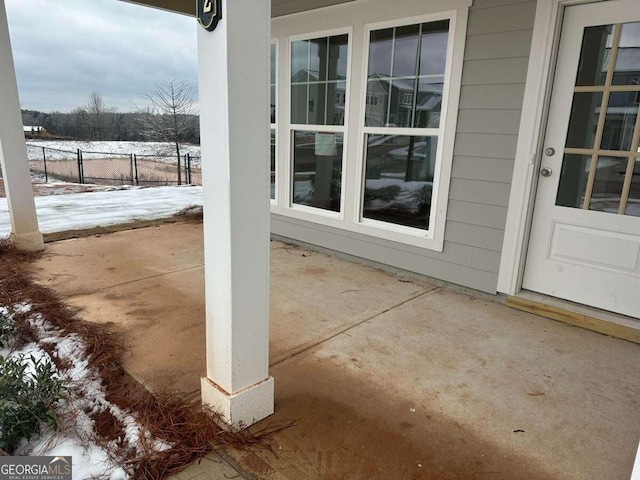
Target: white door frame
x=544, y=43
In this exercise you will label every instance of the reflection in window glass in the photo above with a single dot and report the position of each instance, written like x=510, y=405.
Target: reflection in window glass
x=273, y=164
x=620, y=121
x=406, y=75
x=399, y=179
x=317, y=169
x=633, y=203
x=272, y=84
x=627, y=61
x=594, y=56
x=584, y=119
x=318, y=80
x=573, y=180
x=607, y=186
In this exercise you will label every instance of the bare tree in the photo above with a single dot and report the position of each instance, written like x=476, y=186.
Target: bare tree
x=171, y=116
x=96, y=109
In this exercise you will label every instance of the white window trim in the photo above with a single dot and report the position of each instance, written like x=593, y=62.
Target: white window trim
x=307, y=211
x=356, y=18
x=546, y=32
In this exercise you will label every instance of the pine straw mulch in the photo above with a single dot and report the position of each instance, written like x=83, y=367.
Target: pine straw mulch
x=181, y=421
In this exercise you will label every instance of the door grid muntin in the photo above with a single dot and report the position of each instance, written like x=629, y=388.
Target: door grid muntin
x=601, y=83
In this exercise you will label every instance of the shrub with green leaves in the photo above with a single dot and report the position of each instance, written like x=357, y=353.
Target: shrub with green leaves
x=8, y=329
x=29, y=388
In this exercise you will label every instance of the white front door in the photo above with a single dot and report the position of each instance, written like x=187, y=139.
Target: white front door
x=585, y=236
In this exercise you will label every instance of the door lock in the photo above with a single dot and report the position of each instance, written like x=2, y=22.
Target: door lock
x=550, y=152
x=546, y=172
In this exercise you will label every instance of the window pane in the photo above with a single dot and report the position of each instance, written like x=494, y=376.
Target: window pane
x=273, y=164
x=273, y=64
x=338, y=52
x=300, y=61
x=376, y=103
x=607, y=186
x=299, y=104
x=633, y=203
x=273, y=104
x=317, y=104
x=433, y=52
x=380, y=52
x=406, y=51
x=318, y=59
x=584, y=120
x=573, y=180
x=401, y=108
x=317, y=169
x=429, y=103
x=594, y=56
x=399, y=179
x=620, y=121
x=336, y=101
x=627, y=71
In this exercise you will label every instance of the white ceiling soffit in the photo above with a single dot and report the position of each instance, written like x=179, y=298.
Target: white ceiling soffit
x=278, y=7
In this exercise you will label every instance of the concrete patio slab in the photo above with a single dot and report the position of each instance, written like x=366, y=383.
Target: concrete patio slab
x=385, y=377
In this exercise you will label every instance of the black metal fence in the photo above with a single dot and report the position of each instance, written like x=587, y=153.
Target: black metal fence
x=109, y=168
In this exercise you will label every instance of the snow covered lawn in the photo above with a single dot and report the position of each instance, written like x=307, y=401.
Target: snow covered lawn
x=84, y=400
x=59, y=213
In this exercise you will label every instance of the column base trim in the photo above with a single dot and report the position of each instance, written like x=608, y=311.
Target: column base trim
x=241, y=409
x=31, y=242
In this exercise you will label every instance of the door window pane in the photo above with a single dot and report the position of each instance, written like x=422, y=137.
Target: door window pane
x=317, y=169
x=573, y=180
x=607, y=187
x=584, y=120
x=594, y=56
x=633, y=204
x=627, y=70
x=399, y=179
x=620, y=121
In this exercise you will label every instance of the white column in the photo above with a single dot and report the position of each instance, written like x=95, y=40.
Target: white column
x=13, y=151
x=234, y=130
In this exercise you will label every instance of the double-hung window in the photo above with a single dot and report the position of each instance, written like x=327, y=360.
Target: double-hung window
x=318, y=98
x=406, y=71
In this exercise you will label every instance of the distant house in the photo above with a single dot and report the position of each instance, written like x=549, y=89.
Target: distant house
x=33, y=129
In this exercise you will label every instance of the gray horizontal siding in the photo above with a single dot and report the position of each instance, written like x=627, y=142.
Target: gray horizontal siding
x=501, y=18
x=493, y=80
x=453, y=265
x=499, y=45
x=478, y=191
x=487, y=169
x=489, y=121
x=287, y=7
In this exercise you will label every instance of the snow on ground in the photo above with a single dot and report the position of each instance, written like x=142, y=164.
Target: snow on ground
x=85, y=396
x=59, y=213
x=139, y=148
